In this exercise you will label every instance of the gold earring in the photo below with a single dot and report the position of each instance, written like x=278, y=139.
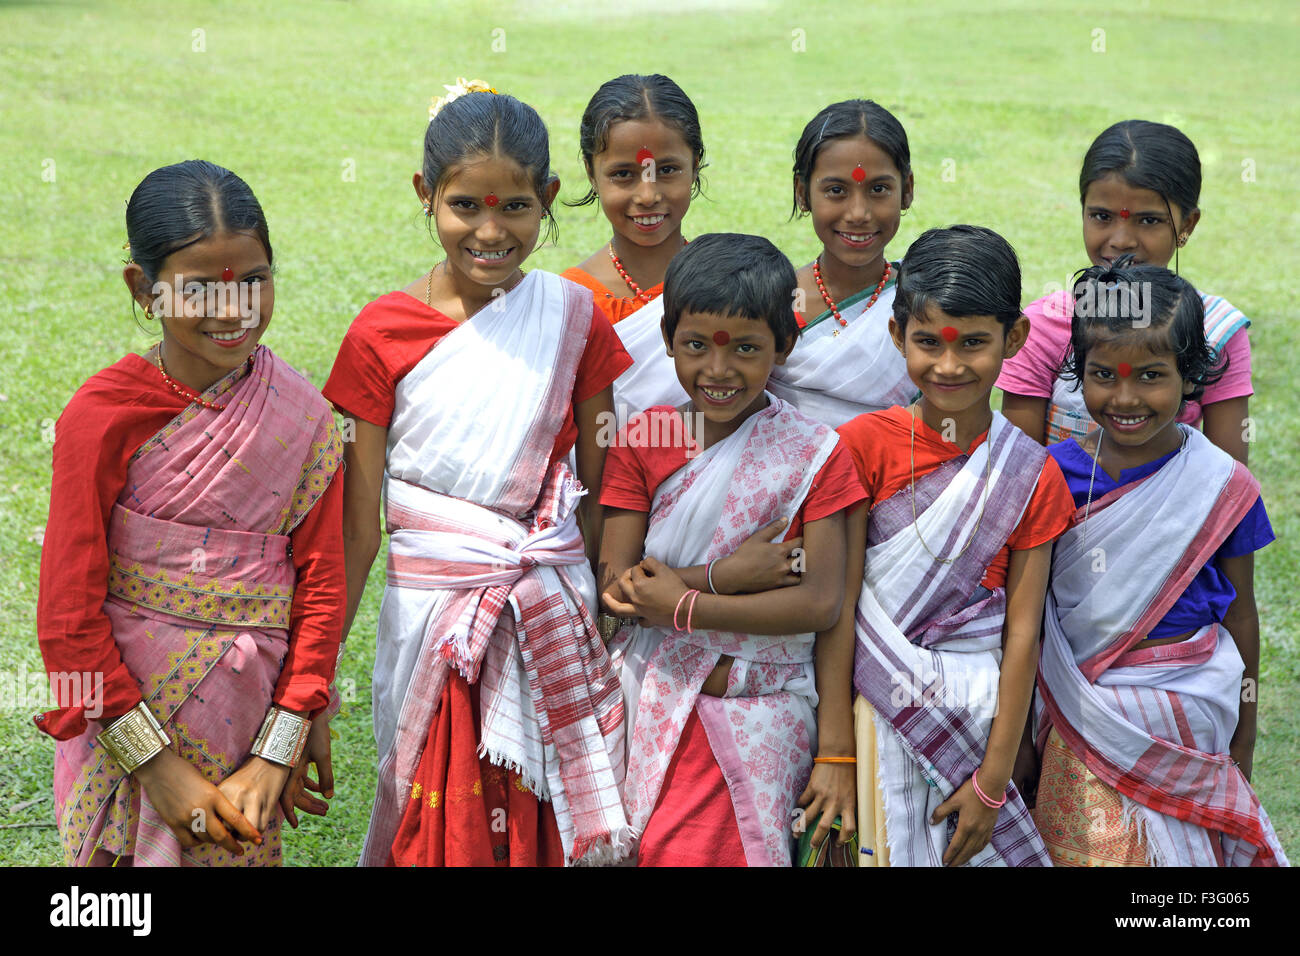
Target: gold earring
x=1182, y=241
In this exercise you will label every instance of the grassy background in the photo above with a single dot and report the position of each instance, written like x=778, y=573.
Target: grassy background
x=293, y=96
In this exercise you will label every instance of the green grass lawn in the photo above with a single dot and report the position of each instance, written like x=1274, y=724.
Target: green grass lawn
x=321, y=107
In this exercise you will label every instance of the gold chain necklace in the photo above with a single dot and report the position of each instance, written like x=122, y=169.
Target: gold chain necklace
x=988, y=472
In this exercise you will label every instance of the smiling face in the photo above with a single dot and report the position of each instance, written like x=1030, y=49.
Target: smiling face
x=644, y=209
x=1147, y=231
x=954, y=361
x=214, y=299
x=1134, y=391
x=488, y=219
x=723, y=363
x=856, y=196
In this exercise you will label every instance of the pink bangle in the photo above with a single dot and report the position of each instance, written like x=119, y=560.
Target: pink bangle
x=678, y=609
x=984, y=797
x=691, y=610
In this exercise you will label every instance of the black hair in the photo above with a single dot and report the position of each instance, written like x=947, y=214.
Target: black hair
x=849, y=118
x=1151, y=156
x=1108, y=299
x=1147, y=155
x=490, y=124
x=633, y=96
x=729, y=273
x=961, y=270
x=177, y=206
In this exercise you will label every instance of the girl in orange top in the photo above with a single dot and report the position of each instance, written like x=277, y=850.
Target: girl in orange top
x=642, y=148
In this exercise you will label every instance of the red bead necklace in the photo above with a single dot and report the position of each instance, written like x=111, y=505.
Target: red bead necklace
x=618, y=264
x=184, y=391
x=830, y=303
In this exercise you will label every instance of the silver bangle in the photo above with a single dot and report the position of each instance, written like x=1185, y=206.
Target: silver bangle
x=709, y=575
x=283, y=737
x=134, y=738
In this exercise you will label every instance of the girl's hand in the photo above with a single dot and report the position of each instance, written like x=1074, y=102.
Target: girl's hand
x=255, y=787
x=832, y=791
x=653, y=592
x=295, y=795
x=975, y=823
x=760, y=563
x=193, y=809
x=613, y=595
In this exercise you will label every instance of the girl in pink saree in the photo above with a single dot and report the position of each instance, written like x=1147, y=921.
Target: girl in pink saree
x=193, y=563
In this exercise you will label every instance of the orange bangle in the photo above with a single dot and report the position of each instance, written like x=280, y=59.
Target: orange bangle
x=835, y=759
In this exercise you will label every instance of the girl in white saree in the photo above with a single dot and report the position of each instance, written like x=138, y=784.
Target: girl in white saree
x=1147, y=682
x=498, y=716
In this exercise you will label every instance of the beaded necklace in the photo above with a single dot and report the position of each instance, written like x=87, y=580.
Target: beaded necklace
x=185, y=391
x=830, y=303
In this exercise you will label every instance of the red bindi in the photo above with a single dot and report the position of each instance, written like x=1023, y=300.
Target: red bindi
x=227, y=274
x=642, y=155
x=859, y=174
x=949, y=333
x=491, y=199
x=721, y=338
x=1124, y=213
x=1125, y=370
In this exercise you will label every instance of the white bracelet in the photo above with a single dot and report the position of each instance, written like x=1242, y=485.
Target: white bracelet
x=709, y=575
x=134, y=738
x=283, y=737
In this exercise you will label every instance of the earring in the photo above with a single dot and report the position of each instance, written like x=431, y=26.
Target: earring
x=1182, y=241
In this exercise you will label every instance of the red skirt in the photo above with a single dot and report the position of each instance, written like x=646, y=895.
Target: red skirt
x=694, y=821
x=464, y=811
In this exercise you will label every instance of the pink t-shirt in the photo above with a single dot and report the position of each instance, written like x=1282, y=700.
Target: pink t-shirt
x=1033, y=371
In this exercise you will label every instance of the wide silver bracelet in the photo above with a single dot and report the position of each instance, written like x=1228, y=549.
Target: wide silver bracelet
x=134, y=738
x=283, y=737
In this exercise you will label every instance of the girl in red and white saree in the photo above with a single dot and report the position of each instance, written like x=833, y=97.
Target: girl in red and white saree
x=1147, y=681
x=193, y=565
x=498, y=717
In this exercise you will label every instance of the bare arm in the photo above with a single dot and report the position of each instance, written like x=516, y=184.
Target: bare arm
x=1242, y=622
x=832, y=788
x=1026, y=590
x=363, y=460
x=590, y=455
x=1225, y=425
x=1027, y=413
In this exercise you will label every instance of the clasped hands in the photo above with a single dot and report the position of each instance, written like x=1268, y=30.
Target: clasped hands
x=652, y=591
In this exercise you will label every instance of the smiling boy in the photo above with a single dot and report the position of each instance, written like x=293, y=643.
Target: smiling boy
x=719, y=677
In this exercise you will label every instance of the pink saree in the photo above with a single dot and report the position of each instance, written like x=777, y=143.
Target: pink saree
x=200, y=589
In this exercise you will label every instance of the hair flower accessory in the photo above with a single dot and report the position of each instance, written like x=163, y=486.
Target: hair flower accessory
x=461, y=87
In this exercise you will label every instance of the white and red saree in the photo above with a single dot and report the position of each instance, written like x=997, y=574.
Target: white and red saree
x=763, y=731
x=1155, y=723
x=487, y=572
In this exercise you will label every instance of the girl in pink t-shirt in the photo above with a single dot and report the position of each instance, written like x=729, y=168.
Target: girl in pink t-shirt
x=1139, y=188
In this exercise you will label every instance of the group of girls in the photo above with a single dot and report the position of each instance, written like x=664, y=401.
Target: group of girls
x=206, y=553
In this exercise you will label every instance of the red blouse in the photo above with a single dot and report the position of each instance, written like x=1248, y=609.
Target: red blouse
x=393, y=333
x=616, y=308
x=879, y=441
x=109, y=417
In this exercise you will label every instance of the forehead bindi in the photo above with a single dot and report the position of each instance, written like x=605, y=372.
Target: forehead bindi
x=1115, y=195
x=634, y=141
x=854, y=158
x=498, y=176
x=725, y=330
x=226, y=256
